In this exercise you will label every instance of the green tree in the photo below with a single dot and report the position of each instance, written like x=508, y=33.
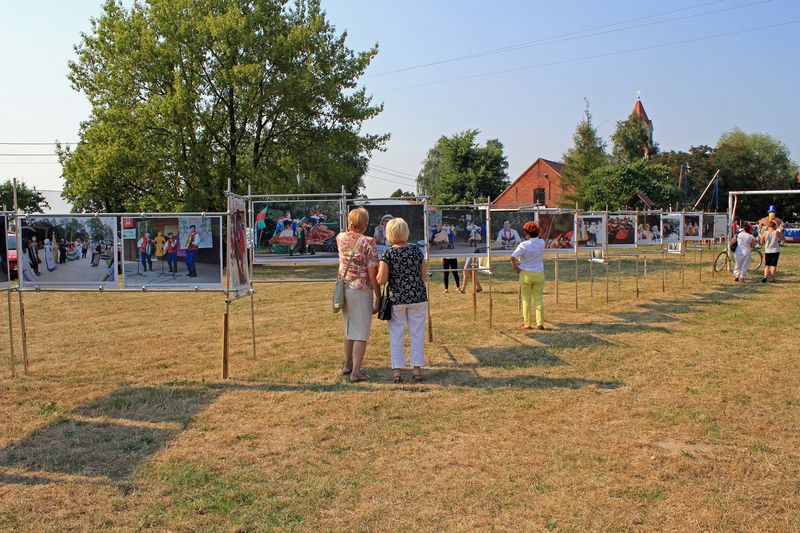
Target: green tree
x=632, y=140
x=29, y=199
x=696, y=166
x=400, y=193
x=458, y=170
x=755, y=161
x=613, y=185
x=588, y=153
x=187, y=94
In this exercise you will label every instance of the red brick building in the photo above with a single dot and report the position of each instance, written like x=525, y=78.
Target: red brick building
x=539, y=184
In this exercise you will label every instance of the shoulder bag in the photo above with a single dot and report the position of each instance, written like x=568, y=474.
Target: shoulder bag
x=338, y=290
x=385, y=304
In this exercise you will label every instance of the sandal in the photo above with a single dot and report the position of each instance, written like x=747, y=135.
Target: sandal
x=523, y=326
x=417, y=378
x=346, y=371
x=354, y=379
x=540, y=327
x=397, y=379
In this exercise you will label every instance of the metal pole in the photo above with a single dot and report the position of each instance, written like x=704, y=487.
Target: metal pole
x=11, y=331
x=25, y=360
x=226, y=311
x=474, y=294
x=252, y=260
x=489, y=256
x=427, y=263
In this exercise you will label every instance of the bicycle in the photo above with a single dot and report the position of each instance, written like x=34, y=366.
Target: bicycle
x=756, y=260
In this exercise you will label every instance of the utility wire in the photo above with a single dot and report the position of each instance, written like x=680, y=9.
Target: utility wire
x=574, y=35
x=596, y=56
x=387, y=169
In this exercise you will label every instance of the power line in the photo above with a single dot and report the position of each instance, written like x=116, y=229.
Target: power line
x=28, y=155
x=385, y=179
x=596, y=56
x=397, y=176
x=34, y=143
x=576, y=35
x=387, y=169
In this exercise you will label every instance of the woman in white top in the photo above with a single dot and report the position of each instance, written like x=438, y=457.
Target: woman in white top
x=528, y=262
x=744, y=245
x=771, y=241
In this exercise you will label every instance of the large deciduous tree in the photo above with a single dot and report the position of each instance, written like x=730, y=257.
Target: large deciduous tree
x=187, y=94
x=632, y=140
x=588, y=152
x=457, y=170
x=612, y=186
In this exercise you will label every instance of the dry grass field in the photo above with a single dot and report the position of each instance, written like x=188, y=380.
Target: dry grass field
x=676, y=410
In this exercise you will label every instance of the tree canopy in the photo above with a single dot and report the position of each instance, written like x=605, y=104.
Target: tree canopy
x=457, y=170
x=632, y=140
x=612, y=186
x=588, y=152
x=187, y=94
x=29, y=199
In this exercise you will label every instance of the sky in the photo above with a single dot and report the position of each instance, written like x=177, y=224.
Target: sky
x=702, y=67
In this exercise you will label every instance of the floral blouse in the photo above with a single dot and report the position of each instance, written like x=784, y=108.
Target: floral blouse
x=366, y=257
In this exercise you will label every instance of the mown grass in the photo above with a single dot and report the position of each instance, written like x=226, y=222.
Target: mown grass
x=674, y=410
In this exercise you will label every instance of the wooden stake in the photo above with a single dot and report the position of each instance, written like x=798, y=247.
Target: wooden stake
x=663, y=271
x=607, y=281
x=474, y=295
x=591, y=277
x=576, y=281
x=556, y=278
x=225, y=327
x=619, y=274
x=636, y=275
x=25, y=361
x=430, y=320
x=490, y=300
x=11, y=338
x=253, y=318
x=700, y=265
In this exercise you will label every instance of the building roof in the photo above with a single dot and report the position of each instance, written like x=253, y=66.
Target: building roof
x=640, y=196
x=555, y=166
x=638, y=109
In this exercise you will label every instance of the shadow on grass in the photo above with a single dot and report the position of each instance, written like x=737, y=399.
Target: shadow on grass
x=108, y=437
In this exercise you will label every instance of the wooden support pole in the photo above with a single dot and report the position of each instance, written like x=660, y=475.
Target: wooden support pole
x=591, y=277
x=700, y=265
x=225, y=330
x=11, y=338
x=619, y=274
x=430, y=319
x=636, y=274
x=683, y=279
x=25, y=361
x=490, y=299
x=645, y=266
x=556, y=268
x=474, y=294
x=663, y=271
x=253, y=319
x=607, y=300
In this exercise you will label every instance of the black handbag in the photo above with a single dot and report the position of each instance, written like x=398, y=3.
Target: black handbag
x=385, y=304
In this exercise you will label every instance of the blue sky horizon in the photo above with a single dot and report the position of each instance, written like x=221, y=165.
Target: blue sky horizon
x=701, y=67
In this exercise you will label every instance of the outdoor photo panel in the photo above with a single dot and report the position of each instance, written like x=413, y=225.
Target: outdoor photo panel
x=671, y=227
x=557, y=230
x=237, y=246
x=708, y=226
x=68, y=251
x=380, y=213
x=506, y=231
x=172, y=252
x=296, y=231
x=648, y=228
x=720, y=226
x=591, y=232
x=622, y=231
x=692, y=226
x=7, y=263
x=456, y=232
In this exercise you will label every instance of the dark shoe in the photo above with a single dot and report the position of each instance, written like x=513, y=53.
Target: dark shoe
x=540, y=327
x=763, y=280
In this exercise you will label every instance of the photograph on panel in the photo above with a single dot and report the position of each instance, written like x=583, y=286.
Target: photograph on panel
x=692, y=230
x=8, y=255
x=68, y=251
x=648, y=227
x=506, y=231
x=382, y=211
x=172, y=252
x=456, y=232
x=591, y=231
x=237, y=246
x=557, y=230
x=720, y=226
x=622, y=230
x=671, y=227
x=296, y=231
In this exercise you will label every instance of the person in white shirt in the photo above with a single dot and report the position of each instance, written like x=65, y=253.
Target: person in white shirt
x=528, y=261
x=771, y=241
x=508, y=237
x=744, y=245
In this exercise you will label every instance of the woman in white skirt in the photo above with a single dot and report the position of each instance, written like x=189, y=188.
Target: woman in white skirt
x=744, y=245
x=360, y=285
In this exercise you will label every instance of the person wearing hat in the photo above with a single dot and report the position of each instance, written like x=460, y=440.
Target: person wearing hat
x=380, y=231
x=771, y=240
x=771, y=217
x=171, y=247
x=528, y=261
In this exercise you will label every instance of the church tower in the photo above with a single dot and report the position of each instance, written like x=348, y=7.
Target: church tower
x=638, y=109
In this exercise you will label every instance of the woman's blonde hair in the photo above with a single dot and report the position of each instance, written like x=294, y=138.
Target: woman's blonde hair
x=357, y=219
x=397, y=231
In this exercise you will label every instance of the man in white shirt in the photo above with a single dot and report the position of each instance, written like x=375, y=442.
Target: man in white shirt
x=508, y=237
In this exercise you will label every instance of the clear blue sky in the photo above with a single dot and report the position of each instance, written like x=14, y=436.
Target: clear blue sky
x=692, y=91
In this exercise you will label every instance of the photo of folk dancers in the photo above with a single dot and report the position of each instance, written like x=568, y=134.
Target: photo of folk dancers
x=456, y=232
x=172, y=252
x=296, y=231
x=506, y=231
x=237, y=247
x=649, y=229
x=591, y=231
x=381, y=213
x=671, y=227
x=622, y=230
x=68, y=251
x=558, y=231
x=692, y=230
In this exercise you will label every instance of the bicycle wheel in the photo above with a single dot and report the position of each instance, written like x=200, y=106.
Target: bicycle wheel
x=721, y=262
x=756, y=260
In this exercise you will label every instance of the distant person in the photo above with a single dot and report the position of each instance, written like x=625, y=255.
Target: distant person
x=96, y=255
x=85, y=249
x=403, y=268
x=744, y=245
x=471, y=265
x=145, y=246
x=48, y=256
x=192, y=246
x=62, y=252
x=172, y=252
x=450, y=266
x=361, y=291
x=33, y=254
x=528, y=261
x=508, y=237
x=771, y=242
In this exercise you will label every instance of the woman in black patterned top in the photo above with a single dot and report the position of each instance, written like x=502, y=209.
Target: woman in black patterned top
x=403, y=268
